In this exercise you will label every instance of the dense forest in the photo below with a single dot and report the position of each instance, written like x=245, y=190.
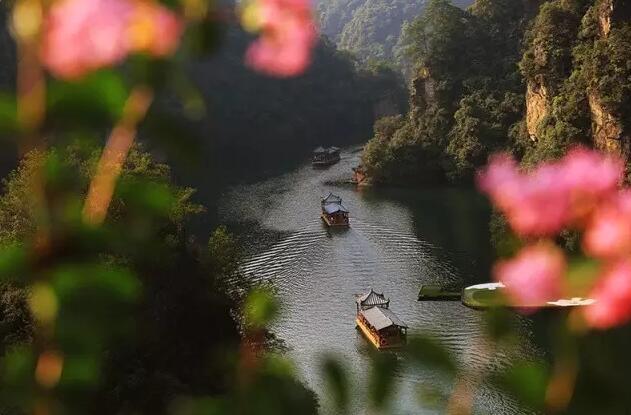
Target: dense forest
x=528, y=77
x=238, y=117
x=182, y=335
x=259, y=122
x=369, y=28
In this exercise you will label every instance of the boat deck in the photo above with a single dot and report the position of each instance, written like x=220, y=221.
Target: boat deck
x=374, y=339
x=332, y=224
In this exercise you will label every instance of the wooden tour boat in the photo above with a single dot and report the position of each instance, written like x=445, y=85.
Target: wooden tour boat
x=378, y=323
x=333, y=212
x=325, y=156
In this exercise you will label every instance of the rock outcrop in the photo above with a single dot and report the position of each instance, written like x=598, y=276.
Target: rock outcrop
x=538, y=106
x=607, y=130
x=422, y=91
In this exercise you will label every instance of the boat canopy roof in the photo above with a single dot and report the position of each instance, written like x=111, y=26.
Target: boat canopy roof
x=330, y=150
x=331, y=198
x=372, y=298
x=381, y=318
x=332, y=208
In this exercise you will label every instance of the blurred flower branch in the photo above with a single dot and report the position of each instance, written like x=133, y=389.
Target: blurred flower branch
x=114, y=155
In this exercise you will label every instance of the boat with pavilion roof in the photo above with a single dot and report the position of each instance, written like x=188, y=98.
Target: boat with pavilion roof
x=333, y=212
x=323, y=157
x=383, y=328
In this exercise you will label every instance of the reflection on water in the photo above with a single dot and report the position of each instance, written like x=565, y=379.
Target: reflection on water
x=398, y=240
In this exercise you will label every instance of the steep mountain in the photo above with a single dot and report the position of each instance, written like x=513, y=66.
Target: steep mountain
x=369, y=28
x=531, y=77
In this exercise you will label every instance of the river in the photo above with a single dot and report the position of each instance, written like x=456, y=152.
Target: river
x=398, y=240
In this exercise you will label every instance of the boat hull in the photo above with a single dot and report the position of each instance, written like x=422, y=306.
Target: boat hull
x=324, y=163
x=330, y=224
x=375, y=339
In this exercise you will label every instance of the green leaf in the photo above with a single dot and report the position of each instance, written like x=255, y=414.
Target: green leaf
x=581, y=275
x=8, y=114
x=527, y=381
x=95, y=100
x=13, y=261
x=80, y=371
x=427, y=351
x=336, y=378
x=110, y=282
x=430, y=395
x=260, y=308
x=499, y=323
x=146, y=196
x=18, y=366
x=381, y=383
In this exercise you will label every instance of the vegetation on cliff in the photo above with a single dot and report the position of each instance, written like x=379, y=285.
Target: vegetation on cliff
x=370, y=28
x=335, y=102
x=512, y=76
x=465, y=98
x=180, y=337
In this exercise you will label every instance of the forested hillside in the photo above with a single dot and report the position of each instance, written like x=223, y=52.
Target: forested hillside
x=529, y=77
x=256, y=122
x=334, y=103
x=369, y=28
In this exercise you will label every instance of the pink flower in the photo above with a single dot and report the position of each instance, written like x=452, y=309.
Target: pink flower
x=590, y=176
x=554, y=195
x=287, y=37
x=533, y=277
x=542, y=205
x=534, y=204
x=613, y=297
x=501, y=180
x=84, y=35
x=608, y=233
x=154, y=29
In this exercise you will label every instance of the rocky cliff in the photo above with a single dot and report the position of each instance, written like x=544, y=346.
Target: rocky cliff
x=609, y=131
x=469, y=100
x=577, y=71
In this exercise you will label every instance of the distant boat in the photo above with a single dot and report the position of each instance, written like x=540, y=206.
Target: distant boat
x=325, y=156
x=378, y=323
x=333, y=212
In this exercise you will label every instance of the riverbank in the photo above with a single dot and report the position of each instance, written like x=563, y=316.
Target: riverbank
x=489, y=295
x=399, y=239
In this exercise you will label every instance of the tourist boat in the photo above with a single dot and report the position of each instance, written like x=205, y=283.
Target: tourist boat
x=333, y=212
x=378, y=323
x=325, y=156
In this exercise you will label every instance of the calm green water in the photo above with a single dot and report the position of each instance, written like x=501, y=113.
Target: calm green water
x=398, y=240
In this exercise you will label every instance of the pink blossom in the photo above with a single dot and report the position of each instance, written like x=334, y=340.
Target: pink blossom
x=590, y=176
x=287, y=37
x=84, y=35
x=534, y=204
x=154, y=29
x=613, y=297
x=553, y=196
x=501, y=180
x=608, y=233
x=533, y=277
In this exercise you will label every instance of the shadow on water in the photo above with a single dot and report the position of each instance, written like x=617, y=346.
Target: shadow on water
x=456, y=220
